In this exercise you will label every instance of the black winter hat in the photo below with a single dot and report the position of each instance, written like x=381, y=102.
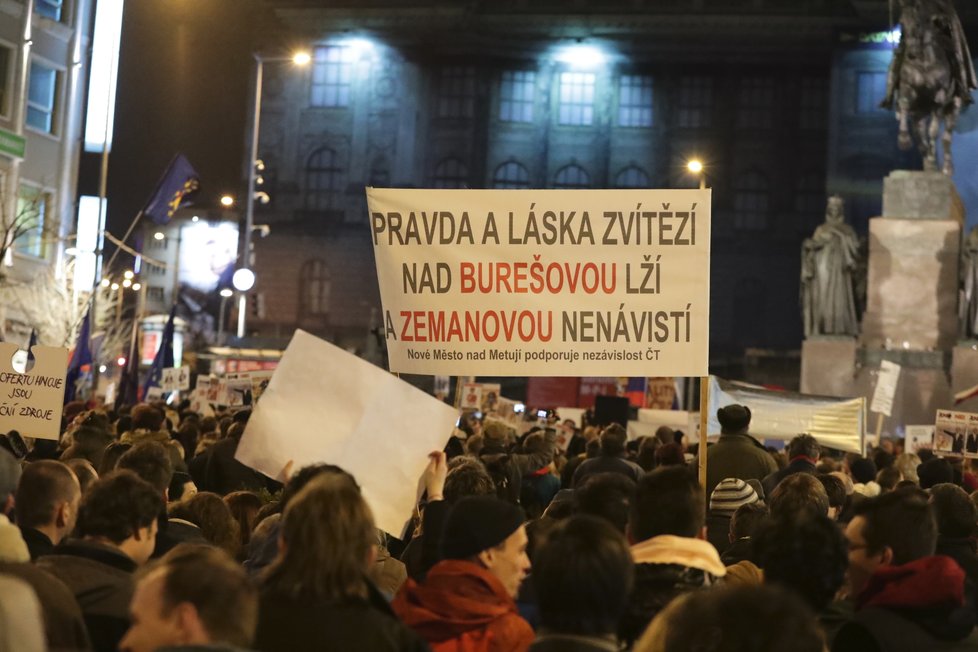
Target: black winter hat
x=733, y=418
x=863, y=470
x=477, y=523
x=934, y=471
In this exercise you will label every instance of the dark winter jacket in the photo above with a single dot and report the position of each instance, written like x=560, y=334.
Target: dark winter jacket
x=101, y=578
x=915, y=607
x=64, y=625
x=666, y=567
x=225, y=474
x=37, y=542
x=797, y=465
x=507, y=468
x=737, y=456
x=607, y=464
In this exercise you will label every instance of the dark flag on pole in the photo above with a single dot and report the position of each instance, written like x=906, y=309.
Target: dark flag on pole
x=80, y=357
x=164, y=356
x=179, y=180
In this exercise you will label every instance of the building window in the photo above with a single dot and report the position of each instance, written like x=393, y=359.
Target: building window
x=516, y=93
x=572, y=176
x=456, y=92
x=695, y=102
x=450, y=173
x=632, y=177
x=317, y=285
x=6, y=79
x=380, y=173
x=810, y=195
x=511, y=175
x=332, y=76
x=814, y=103
x=154, y=294
x=751, y=202
x=635, y=101
x=576, y=106
x=755, y=102
x=42, y=98
x=30, y=220
x=48, y=8
x=870, y=91
x=324, y=179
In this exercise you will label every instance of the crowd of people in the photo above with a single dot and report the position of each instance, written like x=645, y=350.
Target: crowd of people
x=140, y=531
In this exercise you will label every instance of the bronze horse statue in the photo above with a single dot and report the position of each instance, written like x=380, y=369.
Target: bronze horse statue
x=930, y=78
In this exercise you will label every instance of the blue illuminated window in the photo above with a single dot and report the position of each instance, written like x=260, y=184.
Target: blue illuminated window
x=456, y=92
x=324, y=179
x=29, y=220
x=635, y=101
x=48, y=8
x=42, y=97
x=511, y=175
x=870, y=91
x=572, y=176
x=576, y=100
x=332, y=76
x=516, y=93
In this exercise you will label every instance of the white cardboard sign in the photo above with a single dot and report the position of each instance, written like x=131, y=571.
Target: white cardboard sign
x=175, y=379
x=31, y=402
x=886, y=384
x=326, y=405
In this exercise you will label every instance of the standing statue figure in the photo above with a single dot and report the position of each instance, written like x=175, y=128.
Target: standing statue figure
x=968, y=305
x=930, y=78
x=829, y=263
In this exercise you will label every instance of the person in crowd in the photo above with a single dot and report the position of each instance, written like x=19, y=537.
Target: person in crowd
x=194, y=598
x=728, y=496
x=670, y=455
x=387, y=573
x=836, y=491
x=148, y=426
x=540, y=486
x=743, y=525
x=888, y=478
x=935, y=471
x=667, y=532
x=736, y=454
x=84, y=471
x=740, y=618
x=583, y=574
x=646, y=453
x=223, y=473
x=507, y=467
x=607, y=496
x=908, y=463
x=316, y=595
x=48, y=498
x=151, y=461
x=803, y=456
x=110, y=458
x=9, y=479
x=863, y=472
x=20, y=617
x=117, y=533
x=467, y=599
x=208, y=511
x=88, y=443
x=907, y=598
x=612, y=458
x=244, y=506
x=801, y=492
x=957, y=521
x=806, y=554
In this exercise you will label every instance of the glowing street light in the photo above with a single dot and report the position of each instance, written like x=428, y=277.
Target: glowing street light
x=128, y=274
x=137, y=286
x=695, y=167
x=301, y=58
x=227, y=201
x=158, y=235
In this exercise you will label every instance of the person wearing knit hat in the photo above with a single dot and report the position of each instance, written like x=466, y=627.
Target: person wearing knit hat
x=730, y=494
x=468, y=597
x=736, y=454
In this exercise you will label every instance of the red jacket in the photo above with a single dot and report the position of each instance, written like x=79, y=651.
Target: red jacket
x=462, y=607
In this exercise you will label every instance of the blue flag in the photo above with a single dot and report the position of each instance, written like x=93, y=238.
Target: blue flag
x=81, y=357
x=164, y=356
x=179, y=180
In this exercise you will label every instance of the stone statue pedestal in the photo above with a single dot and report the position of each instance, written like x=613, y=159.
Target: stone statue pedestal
x=828, y=365
x=922, y=390
x=917, y=195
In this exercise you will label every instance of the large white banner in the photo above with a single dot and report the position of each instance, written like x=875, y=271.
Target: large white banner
x=544, y=282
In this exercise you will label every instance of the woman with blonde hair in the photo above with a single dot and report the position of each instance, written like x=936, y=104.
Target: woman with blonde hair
x=316, y=595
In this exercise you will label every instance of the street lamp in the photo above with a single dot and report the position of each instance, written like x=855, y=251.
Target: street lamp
x=299, y=59
x=695, y=167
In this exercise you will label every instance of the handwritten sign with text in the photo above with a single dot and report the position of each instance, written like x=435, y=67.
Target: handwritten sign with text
x=31, y=403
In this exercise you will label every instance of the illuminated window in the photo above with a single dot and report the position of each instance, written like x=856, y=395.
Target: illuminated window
x=6, y=79
x=317, y=286
x=576, y=101
x=42, y=98
x=456, y=92
x=30, y=219
x=450, y=173
x=751, y=202
x=516, y=93
x=814, y=103
x=511, y=175
x=572, y=176
x=324, y=179
x=332, y=76
x=632, y=177
x=870, y=91
x=48, y=8
x=695, y=102
x=755, y=103
x=635, y=101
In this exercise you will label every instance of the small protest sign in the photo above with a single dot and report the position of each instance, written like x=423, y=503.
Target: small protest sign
x=956, y=433
x=886, y=384
x=31, y=402
x=326, y=405
x=175, y=379
x=918, y=438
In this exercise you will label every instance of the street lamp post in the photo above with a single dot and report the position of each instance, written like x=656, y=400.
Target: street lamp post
x=245, y=262
x=226, y=294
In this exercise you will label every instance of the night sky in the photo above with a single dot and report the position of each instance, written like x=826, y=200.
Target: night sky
x=184, y=86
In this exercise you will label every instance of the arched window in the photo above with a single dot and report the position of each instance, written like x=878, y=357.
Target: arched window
x=316, y=287
x=450, y=173
x=324, y=179
x=380, y=173
x=632, y=177
x=511, y=175
x=751, y=201
x=572, y=176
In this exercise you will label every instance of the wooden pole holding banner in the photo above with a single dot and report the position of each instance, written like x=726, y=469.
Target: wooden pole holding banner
x=879, y=430
x=704, y=418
